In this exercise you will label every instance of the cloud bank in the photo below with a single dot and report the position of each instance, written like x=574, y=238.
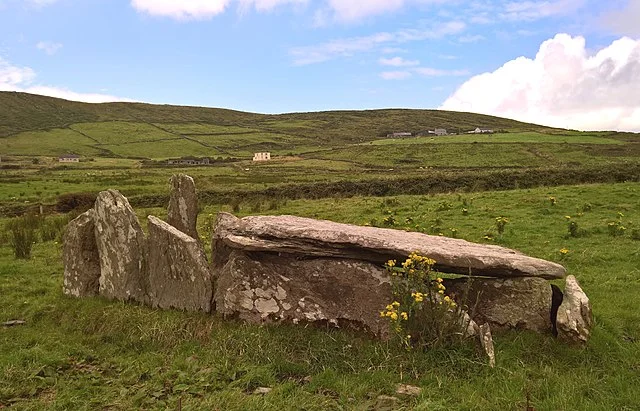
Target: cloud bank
x=563, y=86
x=14, y=78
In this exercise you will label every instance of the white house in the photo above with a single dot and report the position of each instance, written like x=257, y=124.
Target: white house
x=69, y=158
x=261, y=156
x=440, y=132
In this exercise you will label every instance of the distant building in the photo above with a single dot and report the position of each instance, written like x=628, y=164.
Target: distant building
x=440, y=132
x=399, y=135
x=69, y=158
x=190, y=161
x=480, y=131
x=262, y=156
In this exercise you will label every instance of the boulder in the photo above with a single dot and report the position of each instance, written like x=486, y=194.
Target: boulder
x=183, y=205
x=318, y=238
x=574, y=319
x=264, y=287
x=122, y=249
x=179, y=275
x=515, y=303
x=80, y=257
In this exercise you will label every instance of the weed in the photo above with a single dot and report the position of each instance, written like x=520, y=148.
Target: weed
x=501, y=223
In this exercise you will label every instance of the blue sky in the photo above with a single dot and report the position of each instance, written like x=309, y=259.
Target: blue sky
x=573, y=63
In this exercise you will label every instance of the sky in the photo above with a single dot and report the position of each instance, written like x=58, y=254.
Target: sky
x=564, y=63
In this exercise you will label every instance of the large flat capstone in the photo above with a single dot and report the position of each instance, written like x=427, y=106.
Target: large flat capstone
x=80, y=257
x=320, y=238
x=179, y=275
x=122, y=248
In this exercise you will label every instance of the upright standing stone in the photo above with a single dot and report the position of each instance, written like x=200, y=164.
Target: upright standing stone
x=575, y=319
x=179, y=275
x=80, y=257
x=122, y=248
x=183, y=205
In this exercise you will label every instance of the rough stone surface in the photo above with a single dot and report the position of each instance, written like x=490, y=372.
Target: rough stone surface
x=183, y=205
x=122, y=248
x=486, y=342
x=260, y=287
x=309, y=237
x=575, y=319
x=520, y=303
x=179, y=275
x=410, y=390
x=80, y=257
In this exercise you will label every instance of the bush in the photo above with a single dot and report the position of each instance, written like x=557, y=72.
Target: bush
x=80, y=202
x=421, y=315
x=22, y=237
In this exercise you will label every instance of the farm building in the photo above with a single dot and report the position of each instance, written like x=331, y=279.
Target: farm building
x=262, y=156
x=480, y=131
x=69, y=158
x=440, y=132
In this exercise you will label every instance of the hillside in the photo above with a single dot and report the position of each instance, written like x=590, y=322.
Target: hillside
x=20, y=112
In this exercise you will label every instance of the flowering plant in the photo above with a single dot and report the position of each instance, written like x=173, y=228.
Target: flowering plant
x=421, y=315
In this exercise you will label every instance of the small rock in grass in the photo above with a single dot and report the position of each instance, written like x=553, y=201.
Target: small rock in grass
x=406, y=389
x=574, y=319
x=262, y=390
x=13, y=323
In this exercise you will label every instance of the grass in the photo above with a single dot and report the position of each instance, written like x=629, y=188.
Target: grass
x=91, y=353
x=524, y=137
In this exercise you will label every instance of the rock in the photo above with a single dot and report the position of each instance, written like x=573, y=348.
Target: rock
x=262, y=391
x=122, y=248
x=13, y=323
x=486, y=342
x=386, y=403
x=259, y=287
x=179, y=275
x=406, y=389
x=516, y=303
x=183, y=205
x=80, y=257
x=575, y=319
x=309, y=237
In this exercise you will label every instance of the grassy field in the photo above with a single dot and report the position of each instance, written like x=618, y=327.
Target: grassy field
x=96, y=354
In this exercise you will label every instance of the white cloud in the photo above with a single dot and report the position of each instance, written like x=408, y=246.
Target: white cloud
x=49, y=47
x=398, y=62
x=624, y=21
x=534, y=10
x=563, y=86
x=13, y=78
x=203, y=9
x=349, y=46
x=395, y=75
x=433, y=72
x=181, y=9
x=349, y=11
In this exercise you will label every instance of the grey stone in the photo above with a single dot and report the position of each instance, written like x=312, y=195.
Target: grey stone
x=262, y=391
x=183, y=205
x=410, y=390
x=266, y=287
x=309, y=237
x=80, y=257
x=515, y=303
x=575, y=318
x=179, y=275
x=122, y=248
x=486, y=342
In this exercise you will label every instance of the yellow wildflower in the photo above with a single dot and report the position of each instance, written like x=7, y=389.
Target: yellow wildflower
x=395, y=304
x=393, y=316
x=404, y=316
x=391, y=263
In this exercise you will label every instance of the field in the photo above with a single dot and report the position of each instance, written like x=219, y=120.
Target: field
x=97, y=354
x=88, y=354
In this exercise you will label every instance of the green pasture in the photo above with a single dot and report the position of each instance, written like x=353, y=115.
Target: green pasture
x=97, y=354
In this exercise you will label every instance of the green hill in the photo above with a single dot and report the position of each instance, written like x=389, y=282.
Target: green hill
x=37, y=125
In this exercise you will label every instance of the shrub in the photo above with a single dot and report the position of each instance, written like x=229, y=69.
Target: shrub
x=501, y=223
x=22, y=238
x=75, y=202
x=421, y=316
